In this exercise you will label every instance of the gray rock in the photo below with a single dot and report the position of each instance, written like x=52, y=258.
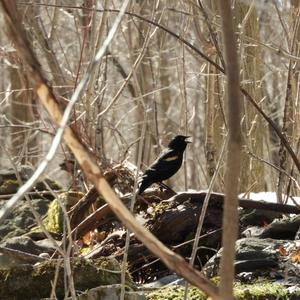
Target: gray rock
x=252, y=255
x=285, y=228
x=257, y=217
x=24, y=245
x=110, y=292
x=21, y=219
x=252, y=231
x=165, y=281
x=107, y=292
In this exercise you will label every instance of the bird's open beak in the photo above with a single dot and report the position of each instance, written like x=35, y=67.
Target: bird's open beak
x=187, y=141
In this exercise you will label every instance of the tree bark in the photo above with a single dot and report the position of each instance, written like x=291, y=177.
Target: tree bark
x=233, y=163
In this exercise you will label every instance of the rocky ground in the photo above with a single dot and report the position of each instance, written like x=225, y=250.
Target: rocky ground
x=35, y=233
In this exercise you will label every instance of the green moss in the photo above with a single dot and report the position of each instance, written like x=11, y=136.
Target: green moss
x=255, y=291
x=54, y=221
x=85, y=250
x=34, y=282
x=158, y=209
x=176, y=293
x=9, y=186
x=261, y=291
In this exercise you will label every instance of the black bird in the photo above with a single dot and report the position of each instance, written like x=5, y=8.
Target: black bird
x=166, y=165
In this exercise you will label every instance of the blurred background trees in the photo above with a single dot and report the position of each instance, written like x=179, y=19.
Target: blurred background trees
x=151, y=78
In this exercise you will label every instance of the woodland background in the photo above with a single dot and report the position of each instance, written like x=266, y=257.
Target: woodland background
x=163, y=74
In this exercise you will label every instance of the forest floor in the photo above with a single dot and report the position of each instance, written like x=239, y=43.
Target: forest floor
x=267, y=251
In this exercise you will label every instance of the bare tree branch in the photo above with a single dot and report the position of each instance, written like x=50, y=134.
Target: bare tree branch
x=233, y=163
x=248, y=97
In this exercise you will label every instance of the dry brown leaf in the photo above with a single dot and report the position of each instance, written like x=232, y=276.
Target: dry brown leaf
x=282, y=251
x=295, y=256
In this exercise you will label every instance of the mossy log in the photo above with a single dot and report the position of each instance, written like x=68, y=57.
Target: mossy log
x=35, y=282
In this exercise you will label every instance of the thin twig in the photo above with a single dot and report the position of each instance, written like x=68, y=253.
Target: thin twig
x=276, y=168
x=204, y=210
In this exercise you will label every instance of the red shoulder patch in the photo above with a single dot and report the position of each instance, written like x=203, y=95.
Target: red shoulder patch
x=171, y=158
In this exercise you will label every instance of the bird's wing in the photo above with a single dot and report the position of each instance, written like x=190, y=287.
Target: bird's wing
x=162, y=163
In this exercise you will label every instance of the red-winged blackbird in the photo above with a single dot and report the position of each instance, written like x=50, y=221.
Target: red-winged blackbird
x=166, y=165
